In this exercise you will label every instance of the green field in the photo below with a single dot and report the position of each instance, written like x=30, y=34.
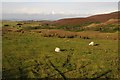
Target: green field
x=30, y=55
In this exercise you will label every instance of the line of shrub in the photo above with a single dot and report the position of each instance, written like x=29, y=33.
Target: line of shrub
x=62, y=34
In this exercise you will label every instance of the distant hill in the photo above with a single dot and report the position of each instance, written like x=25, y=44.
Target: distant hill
x=96, y=18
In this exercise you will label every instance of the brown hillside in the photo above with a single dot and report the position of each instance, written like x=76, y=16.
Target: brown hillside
x=104, y=17
x=95, y=18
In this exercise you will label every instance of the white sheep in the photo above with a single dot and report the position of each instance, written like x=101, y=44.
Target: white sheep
x=57, y=49
x=91, y=43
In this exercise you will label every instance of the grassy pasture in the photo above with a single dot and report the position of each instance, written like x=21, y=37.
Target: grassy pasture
x=30, y=55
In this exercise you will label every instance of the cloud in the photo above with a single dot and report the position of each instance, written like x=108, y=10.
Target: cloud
x=53, y=12
x=79, y=9
x=60, y=1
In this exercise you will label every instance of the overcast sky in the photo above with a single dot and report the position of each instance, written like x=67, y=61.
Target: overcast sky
x=55, y=10
x=60, y=0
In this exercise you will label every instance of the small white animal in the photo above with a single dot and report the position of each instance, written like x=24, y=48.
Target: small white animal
x=91, y=43
x=57, y=49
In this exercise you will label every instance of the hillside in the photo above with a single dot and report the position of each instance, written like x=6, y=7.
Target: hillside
x=96, y=18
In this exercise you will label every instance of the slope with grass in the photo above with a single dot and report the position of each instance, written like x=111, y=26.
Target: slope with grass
x=29, y=55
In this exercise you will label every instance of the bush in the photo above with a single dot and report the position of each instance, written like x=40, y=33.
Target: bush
x=6, y=25
x=85, y=37
x=31, y=27
x=19, y=24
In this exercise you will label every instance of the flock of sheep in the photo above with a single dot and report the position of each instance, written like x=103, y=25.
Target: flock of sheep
x=57, y=49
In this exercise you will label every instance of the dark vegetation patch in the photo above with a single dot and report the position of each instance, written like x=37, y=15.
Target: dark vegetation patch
x=75, y=28
x=105, y=28
x=19, y=24
x=62, y=34
x=6, y=25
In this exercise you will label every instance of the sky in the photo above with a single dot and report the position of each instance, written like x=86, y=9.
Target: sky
x=54, y=10
x=60, y=0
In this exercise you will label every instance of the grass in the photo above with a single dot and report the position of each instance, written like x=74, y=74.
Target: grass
x=30, y=55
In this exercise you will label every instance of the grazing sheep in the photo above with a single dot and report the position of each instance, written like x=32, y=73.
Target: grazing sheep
x=57, y=49
x=91, y=43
